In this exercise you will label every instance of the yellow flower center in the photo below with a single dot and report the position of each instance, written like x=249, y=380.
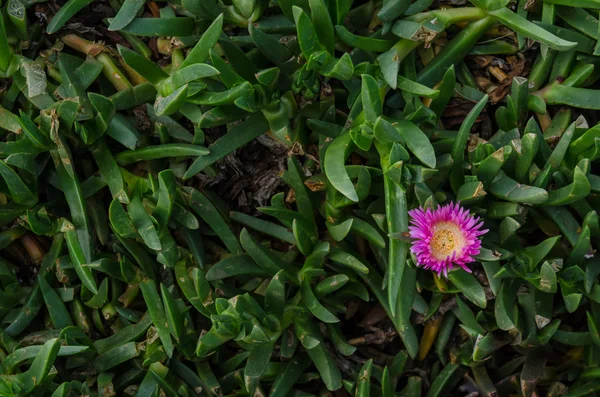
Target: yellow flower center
x=447, y=239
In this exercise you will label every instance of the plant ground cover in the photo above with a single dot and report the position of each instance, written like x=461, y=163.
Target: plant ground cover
x=211, y=198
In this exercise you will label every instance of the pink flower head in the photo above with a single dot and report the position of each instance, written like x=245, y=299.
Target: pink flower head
x=445, y=236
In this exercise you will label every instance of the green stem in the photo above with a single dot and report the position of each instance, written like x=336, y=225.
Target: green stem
x=110, y=70
x=54, y=73
x=177, y=58
x=113, y=73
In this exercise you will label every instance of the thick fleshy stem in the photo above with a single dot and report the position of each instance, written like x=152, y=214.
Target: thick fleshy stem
x=135, y=77
x=177, y=58
x=110, y=69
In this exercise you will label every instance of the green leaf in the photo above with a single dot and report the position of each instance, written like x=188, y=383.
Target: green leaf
x=372, y=105
x=166, y=198
x=442, y=379
x=508, y=189
x=286, y=379
x=531, y=372
x=335, y=166
x=170, y=104
x=271, y=48
x=154, y=27
x=275, y=295
x=157, y=313
x=205, y=9
x=79, y=261
x=69, y=184
x=126, y=14
x=307, y=36
x=412, y=87
x=460, y=144
x=192, y=73
x=237, y=265
x=5, y=50
x=160, y=151
x=120, y=221
x=142, y=222
x=19, y=191
x=174, y=316
x=322, y=24
x=148, y=69
x=35, y=78
x=417, y=142
x=469, y=286
x=363, y=382
x=581, y=250
x=303, y=237
x=363, y=43
x=40, y=368
x=529, y=29
x=578, y=190
x=329, y=371
x=392, y=9
x=593, y=329
x=13, y=360
x=446, y=89
x=313, y=304
x=115, y=356
x=295, y=176
x=221, y=98
x=548, y=280
x=404, y=305
x=209, y=39
x=340, y=231
x=99, y=299
x=529, y=149
x=349, y=260
x=56, y=308
x=263, y=226
x=454, y=52
x=110, y=171
x=238, y=136
x=206, y=209
x=491, y=165
x=266, y=259
x=66, y=12
x=485, y=346
x=259, y=357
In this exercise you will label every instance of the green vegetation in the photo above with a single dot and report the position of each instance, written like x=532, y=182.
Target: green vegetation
x=125, y=270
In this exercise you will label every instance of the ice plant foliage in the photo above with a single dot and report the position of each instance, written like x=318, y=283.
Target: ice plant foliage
x=444, y=237
x=106, y=133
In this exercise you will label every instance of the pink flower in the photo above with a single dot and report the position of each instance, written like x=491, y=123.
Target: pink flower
x=445, y=237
